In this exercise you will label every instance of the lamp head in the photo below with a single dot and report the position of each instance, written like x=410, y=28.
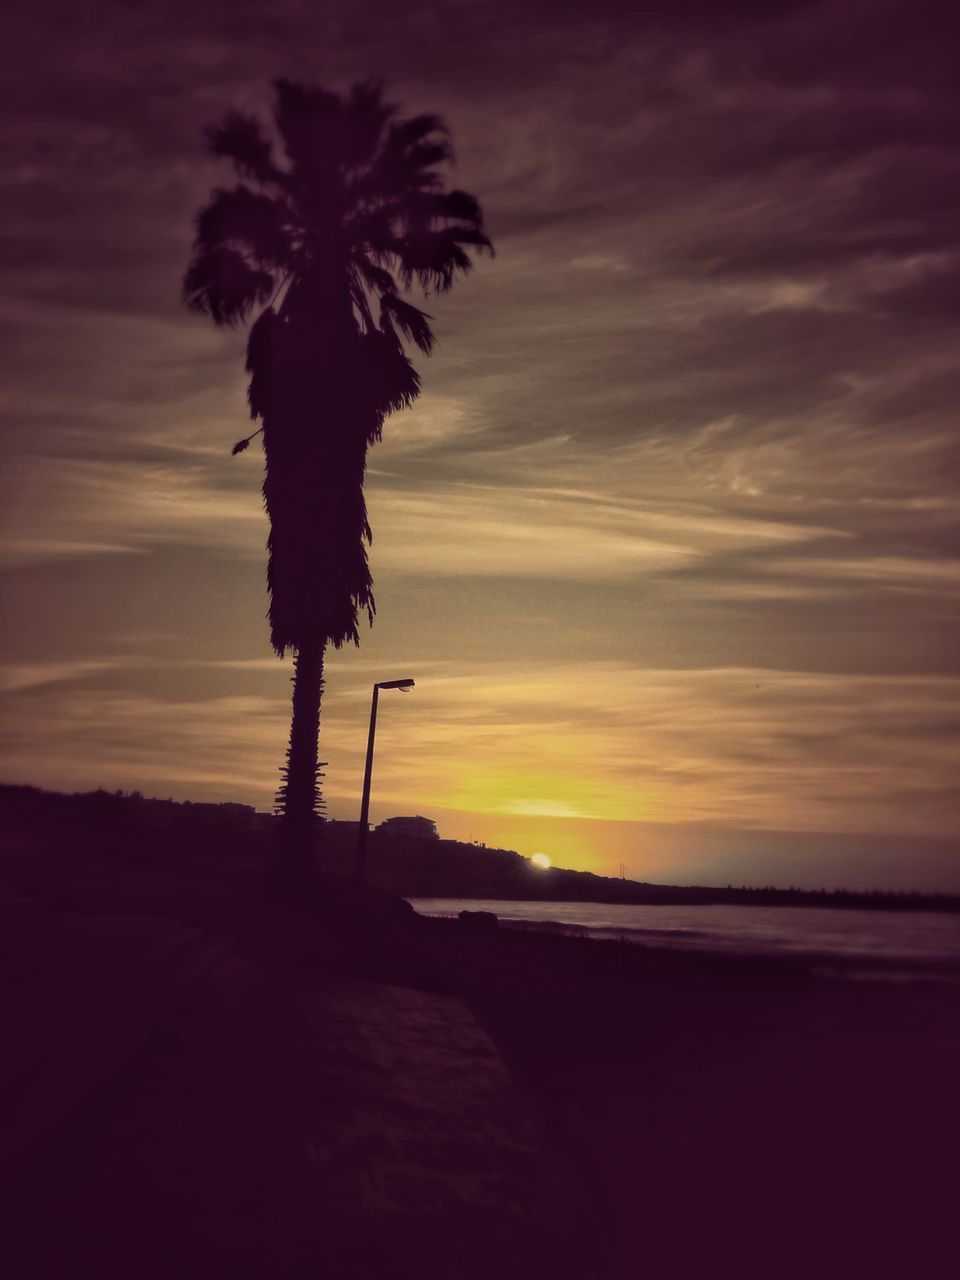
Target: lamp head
x=396, y=684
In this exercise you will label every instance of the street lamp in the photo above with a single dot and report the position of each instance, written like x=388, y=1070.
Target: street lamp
x=405, y=686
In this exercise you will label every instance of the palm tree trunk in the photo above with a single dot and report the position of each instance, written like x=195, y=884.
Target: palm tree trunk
x=299, y=797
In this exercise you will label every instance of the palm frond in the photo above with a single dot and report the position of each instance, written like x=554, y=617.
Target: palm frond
x=410, y=320
x=309, y=121
x=222, y=283
x=376, y=277
x=243, y=218
x=365, y=116
x=372, y=227
x=426, y=155
x=434, y=258
x=265, y=364
x=468, y=235
x=238, y=138
x=391, y=381
x=359, y=298
x=456, y=206
x=409, y=132
x=407, y=160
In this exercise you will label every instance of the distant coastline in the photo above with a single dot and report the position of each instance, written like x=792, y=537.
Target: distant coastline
x=134, y=826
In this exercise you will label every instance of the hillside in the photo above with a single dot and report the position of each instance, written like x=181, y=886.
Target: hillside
x=102, y=833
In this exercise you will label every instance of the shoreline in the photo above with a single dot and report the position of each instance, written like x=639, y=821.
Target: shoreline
x=873, y=955
x=709, y=1108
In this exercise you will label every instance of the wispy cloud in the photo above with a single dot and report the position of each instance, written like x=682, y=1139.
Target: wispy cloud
x=895, y=572
x=608, y=741
x=754, y=747
x=30, y=675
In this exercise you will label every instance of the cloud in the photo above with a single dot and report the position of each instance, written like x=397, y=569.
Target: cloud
x=62, y=508
x=16, y=676
x=534, y=532
x=220, y=748
x=740, y=746
x=695, y=422
x=743, y=747
x=888, y=571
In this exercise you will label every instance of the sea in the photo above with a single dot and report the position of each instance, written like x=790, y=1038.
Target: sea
x=914, y=941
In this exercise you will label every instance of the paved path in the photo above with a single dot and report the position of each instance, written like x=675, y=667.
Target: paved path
x=278, y=1123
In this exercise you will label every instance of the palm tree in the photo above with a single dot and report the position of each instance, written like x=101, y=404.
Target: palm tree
x=321, y=242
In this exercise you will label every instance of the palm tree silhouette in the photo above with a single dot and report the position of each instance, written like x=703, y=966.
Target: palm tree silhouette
x=322, y=242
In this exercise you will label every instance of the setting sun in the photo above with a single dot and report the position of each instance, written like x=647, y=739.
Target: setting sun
x=540, y=860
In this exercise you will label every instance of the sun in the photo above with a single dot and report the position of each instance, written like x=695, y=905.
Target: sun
x=540, y=860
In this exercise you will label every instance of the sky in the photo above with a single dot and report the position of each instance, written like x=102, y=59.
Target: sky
x=668, y=543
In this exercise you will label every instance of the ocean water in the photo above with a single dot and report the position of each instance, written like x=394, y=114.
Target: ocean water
x=907, y=938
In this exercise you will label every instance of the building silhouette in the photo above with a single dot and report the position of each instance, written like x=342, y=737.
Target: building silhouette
x=418, y=826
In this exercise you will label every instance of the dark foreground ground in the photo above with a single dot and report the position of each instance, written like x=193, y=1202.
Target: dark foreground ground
x=743, y=1118
x=718, y=1116
x=698, y=1116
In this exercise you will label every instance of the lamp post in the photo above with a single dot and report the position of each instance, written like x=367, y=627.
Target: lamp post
x=405, y=685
